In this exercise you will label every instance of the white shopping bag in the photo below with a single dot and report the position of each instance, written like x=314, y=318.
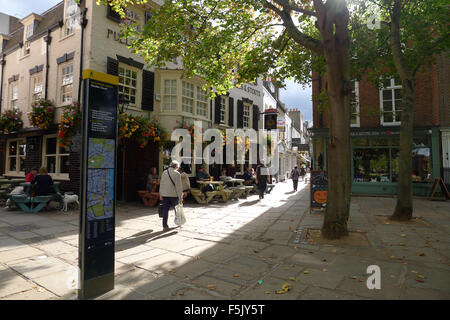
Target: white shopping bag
x=180, y=219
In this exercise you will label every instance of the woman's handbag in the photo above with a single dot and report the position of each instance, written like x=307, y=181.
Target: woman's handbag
x=180, y=219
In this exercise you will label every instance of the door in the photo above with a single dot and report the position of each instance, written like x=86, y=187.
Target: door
x=446, y=156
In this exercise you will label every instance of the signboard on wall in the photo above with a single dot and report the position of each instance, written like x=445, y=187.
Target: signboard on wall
x=98, y=175
x=319, y=189
x=270, y=121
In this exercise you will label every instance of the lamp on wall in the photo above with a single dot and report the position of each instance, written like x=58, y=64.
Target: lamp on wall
x=123, y=101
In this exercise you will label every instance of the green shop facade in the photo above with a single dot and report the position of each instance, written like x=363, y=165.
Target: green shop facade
x=375, y=154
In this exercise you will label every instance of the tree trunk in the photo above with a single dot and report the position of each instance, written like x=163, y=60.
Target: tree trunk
x=403, y=209
x=333, y=25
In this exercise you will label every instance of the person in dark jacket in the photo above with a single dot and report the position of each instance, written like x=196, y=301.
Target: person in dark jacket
x=262, y=177
x=43, y=183
x=295, y=173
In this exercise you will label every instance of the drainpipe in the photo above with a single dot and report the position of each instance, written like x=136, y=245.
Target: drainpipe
x=2, y=63
x=83, y=23
x=48, y=40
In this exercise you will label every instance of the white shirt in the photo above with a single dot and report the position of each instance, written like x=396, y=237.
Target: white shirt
x=167, y=188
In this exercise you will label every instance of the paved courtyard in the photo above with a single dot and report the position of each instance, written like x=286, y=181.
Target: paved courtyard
x=245, y=249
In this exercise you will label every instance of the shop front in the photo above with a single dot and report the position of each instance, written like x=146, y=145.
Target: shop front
x=375, y=159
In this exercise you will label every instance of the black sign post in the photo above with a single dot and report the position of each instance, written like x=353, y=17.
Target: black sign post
x=319, y=190
x=98, y=176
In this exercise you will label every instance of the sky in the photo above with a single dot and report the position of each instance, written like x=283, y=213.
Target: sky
x=293, y=96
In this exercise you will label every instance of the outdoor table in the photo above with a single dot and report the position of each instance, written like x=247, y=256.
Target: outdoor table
x=237, y=186
x=35, y=204
x=223, y=193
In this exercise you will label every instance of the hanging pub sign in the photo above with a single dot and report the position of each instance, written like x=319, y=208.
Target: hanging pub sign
x=270, y=121
x=98, y=175
x=319, y=190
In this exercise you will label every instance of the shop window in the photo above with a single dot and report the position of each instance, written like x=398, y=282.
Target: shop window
x=66, y=83
x=128, y=84
x=202, y=102
x=170, y=95
x=421, y=161
x=55, y=158
x=391, y=100
x=187, y=100
x=371, y=165
x=354, y=120
x=15, y=157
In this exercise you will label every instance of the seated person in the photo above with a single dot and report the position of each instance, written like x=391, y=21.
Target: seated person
x=249, y=176
x=202, y=174
x=30, y=176
x=43, y=183
x=223, y=174
x=152, y=178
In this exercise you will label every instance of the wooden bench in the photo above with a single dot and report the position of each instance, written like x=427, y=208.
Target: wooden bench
x=198, y=195
x=150, y=199
x=30, y=204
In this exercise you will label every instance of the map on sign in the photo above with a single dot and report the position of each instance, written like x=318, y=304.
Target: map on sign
x=100, y=193
x=101, y=153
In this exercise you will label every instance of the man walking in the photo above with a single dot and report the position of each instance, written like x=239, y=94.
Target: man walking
x=294, y=175
x=170, y=191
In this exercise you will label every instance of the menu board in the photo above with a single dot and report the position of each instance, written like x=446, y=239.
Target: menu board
x=319, y=189
x=97, y=219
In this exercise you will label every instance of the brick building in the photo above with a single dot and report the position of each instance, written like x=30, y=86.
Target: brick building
x=375, y=131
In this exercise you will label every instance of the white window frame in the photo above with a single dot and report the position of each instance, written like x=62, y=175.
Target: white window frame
x=17, y=157
x=358, y=115
x=247, y=116
x=66, y=81
x=169, y=95
x=223, y=109
x=69, y=19
x=36, y=88
x=14, y=94
x=187, y=97
x=391, y=87
x=29, y=30
x=58, y=155
x=123, y=69
x=202, y=102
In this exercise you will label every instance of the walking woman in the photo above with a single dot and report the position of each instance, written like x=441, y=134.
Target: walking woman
x=262, y=178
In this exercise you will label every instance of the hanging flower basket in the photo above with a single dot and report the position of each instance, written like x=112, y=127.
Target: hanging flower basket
x=140, y=129
x=42, y=114
x=70, y=122
x=10, y=121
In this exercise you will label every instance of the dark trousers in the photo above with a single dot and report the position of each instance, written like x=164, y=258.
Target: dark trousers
x=295, y=184
x=167, y=202
x=262, y=186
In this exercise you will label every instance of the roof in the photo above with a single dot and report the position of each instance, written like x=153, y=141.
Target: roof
x=50, y=19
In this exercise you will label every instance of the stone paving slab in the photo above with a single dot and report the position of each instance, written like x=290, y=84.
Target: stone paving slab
x=20, y=253
x=12, y=283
